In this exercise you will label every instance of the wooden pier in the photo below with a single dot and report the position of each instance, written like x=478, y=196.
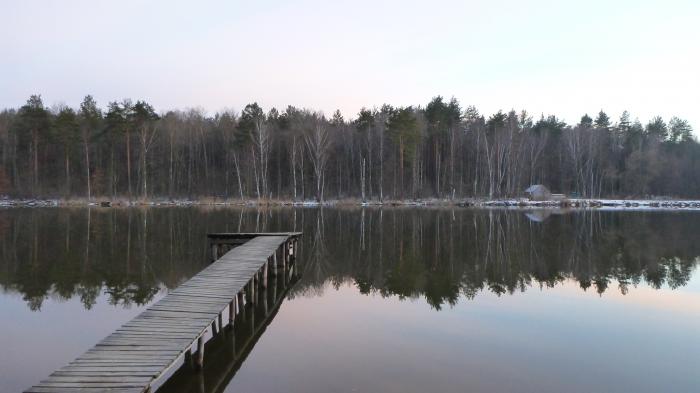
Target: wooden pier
x=139, y=352
x=226, y=352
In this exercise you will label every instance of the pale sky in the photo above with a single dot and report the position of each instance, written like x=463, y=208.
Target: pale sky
x=561, y=57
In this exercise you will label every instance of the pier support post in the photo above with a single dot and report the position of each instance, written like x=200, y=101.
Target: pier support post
x=257, y=291
x=188, y=357
x=241, y=305
x=199, y=356
x=274, y=288
x=251, y=291
x=264, y=276
x=284, y=256
x=221, y=322
x=231, y=312
x=214, y=252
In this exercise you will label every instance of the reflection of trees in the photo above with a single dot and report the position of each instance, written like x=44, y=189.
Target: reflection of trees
x=317, y=262
x=439, y=254
x=62, y=253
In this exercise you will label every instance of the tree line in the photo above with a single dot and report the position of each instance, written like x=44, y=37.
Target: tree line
x=439, y=150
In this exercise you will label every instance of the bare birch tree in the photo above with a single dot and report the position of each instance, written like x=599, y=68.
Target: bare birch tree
x=318, y=145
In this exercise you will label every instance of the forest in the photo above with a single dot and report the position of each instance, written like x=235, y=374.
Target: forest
x=441, y=150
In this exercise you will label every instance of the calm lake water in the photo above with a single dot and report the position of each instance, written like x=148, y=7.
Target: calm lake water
x=392, y=300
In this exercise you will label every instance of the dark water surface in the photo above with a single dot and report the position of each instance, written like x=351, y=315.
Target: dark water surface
x=392, y=300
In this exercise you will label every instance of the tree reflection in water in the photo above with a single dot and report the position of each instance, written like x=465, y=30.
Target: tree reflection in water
x=439, y=254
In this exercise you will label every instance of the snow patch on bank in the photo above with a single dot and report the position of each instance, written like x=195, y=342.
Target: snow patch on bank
x=6, y=202
x=600, y=204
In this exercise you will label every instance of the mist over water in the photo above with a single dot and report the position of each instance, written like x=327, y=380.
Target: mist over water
x=400, y=299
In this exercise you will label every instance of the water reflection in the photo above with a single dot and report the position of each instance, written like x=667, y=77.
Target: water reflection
x=63, y=253
x=442, y=254
x=355, y=271
x=438, y=254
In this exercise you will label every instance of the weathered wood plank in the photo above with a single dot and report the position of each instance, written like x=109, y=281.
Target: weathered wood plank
x=103, y=379
x=92, y=384
x=61, y=389
x=105, y=373
x=100, y=367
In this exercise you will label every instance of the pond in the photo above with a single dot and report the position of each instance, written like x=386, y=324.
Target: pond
x=390, y=300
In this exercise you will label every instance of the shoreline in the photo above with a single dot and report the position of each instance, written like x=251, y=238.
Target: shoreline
x=510, y=203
